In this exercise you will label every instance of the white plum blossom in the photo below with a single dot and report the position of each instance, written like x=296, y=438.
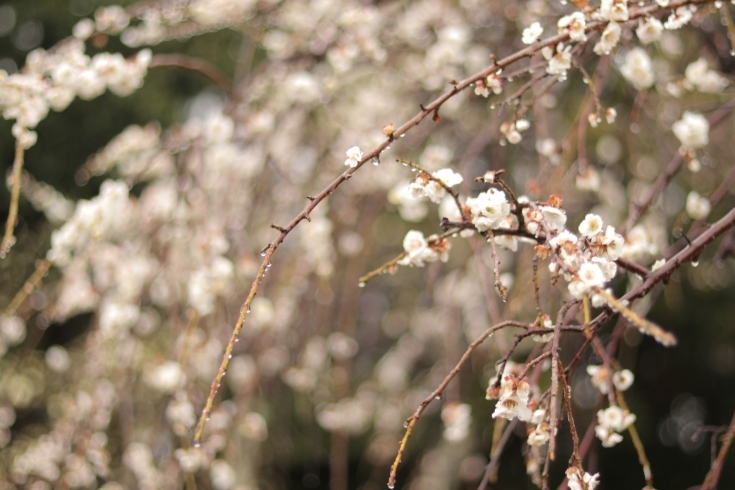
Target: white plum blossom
x=488, y=209
x=610, y=422
x=494, y=83
x=423, y=186
x=512, y=130
x=579, y=480
x=608, y=40
x=354, y=156
x=559, y=62
x=591, y=274
x=697, y=207
x=419, y=250
x=638, y=69
x=681, y=17
x=692, y=130
x=539, y=436
x=513, y=400
x=649, y=30
x=591, y=225
x=623, y=379
x=573, y=24
x=532, y=33
x=554, y=218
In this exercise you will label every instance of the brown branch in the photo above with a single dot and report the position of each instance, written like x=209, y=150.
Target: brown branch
x=208, y=70
x=431, y=109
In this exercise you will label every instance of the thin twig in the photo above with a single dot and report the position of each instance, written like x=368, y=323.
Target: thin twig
x=9, y=238
x=567, y=398
x=713, y=475
x=497, y=452
x=42, y=267
x=437, y=393
x=637, y=443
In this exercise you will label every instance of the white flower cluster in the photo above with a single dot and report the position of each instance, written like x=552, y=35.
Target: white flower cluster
x=588, y=261
x=51, y=80
x=424, y=186
x=419, y=250
x=354, y=156
x=540, y=435
x=532, y=33
x=488, y=209
x=681, y=17
x=101, y=218
x=608, y=40
x=610, y=422
x=580, y=480
x=560, y=61
x=493, y=83
x=622, y=380
x=613, y=10
x=513, y=400
x=512, y=130
x=574, y=25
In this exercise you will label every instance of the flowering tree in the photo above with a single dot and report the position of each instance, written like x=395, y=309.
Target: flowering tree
x=204, y=366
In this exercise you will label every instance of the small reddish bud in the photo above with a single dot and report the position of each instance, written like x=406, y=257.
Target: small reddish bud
x=555, y=201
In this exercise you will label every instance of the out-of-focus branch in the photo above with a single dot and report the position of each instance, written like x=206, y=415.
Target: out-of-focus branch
x=193, y=64
x=635, y=211
x=9, y=238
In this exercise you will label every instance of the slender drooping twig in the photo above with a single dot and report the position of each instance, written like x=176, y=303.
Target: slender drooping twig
x=637, y=443
x=411, y=421
x=713, y=475
x=42, y=267
x=495, y=459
